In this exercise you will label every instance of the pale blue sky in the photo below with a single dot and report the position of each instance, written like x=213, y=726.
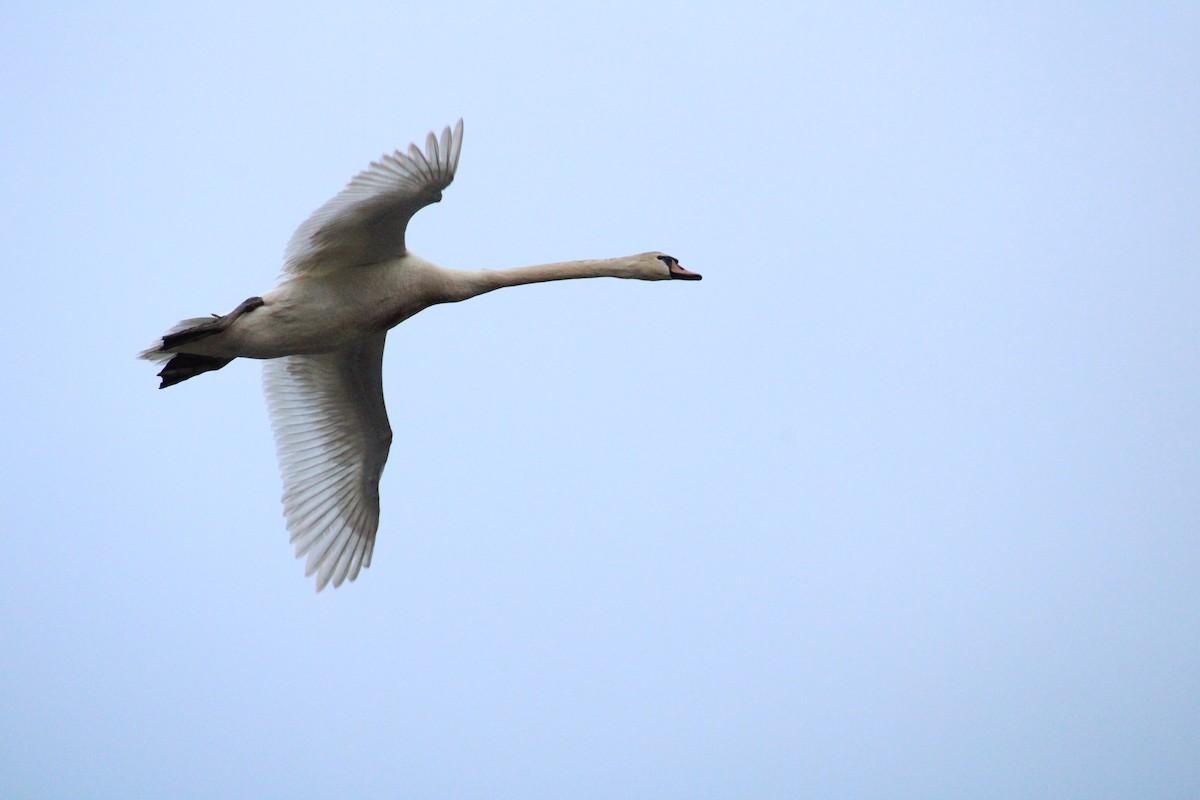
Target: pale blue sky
x=900, y=501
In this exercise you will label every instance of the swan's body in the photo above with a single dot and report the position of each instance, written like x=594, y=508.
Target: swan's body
x=321, y=333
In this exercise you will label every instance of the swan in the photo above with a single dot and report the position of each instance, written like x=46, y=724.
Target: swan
x=348, y=279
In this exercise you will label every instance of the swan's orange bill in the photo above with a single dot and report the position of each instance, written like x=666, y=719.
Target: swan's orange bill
x=683, y=274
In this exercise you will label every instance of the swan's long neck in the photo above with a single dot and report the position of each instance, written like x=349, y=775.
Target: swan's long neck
x=470, y=283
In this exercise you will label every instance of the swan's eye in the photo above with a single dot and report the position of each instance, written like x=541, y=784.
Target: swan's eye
x=668, y=260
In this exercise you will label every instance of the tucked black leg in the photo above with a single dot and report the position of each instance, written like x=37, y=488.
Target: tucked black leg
x=205, y=329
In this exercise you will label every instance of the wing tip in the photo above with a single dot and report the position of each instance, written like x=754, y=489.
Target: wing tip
x=404, y=169
x=456, y=145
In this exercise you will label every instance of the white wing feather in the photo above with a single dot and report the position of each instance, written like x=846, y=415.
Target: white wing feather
x=365, y=222
x=332, y=436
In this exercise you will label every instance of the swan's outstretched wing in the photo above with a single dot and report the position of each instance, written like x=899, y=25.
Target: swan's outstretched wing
x=364, y=224
x=332, y=436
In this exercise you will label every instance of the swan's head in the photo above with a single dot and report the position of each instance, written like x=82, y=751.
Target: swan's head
x=661, y=267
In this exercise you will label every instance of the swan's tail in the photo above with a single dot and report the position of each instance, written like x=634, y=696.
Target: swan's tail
x=156, y=353
x=181, y=366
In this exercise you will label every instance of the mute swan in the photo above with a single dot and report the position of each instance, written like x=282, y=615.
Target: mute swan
x=349, y=278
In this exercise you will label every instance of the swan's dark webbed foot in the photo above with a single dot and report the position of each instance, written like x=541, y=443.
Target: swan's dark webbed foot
x=186, y=365
x=172, y=340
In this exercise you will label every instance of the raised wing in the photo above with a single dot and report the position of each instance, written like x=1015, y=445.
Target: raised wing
x=365, y=222
x=332, y=436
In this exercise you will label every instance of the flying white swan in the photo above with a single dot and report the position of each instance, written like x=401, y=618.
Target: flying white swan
x=350, y=278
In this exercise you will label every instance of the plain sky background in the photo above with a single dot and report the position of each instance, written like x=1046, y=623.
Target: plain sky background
x=901, y=501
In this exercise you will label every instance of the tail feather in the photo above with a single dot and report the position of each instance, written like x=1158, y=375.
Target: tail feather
x=179, y=367
x=156, y=353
